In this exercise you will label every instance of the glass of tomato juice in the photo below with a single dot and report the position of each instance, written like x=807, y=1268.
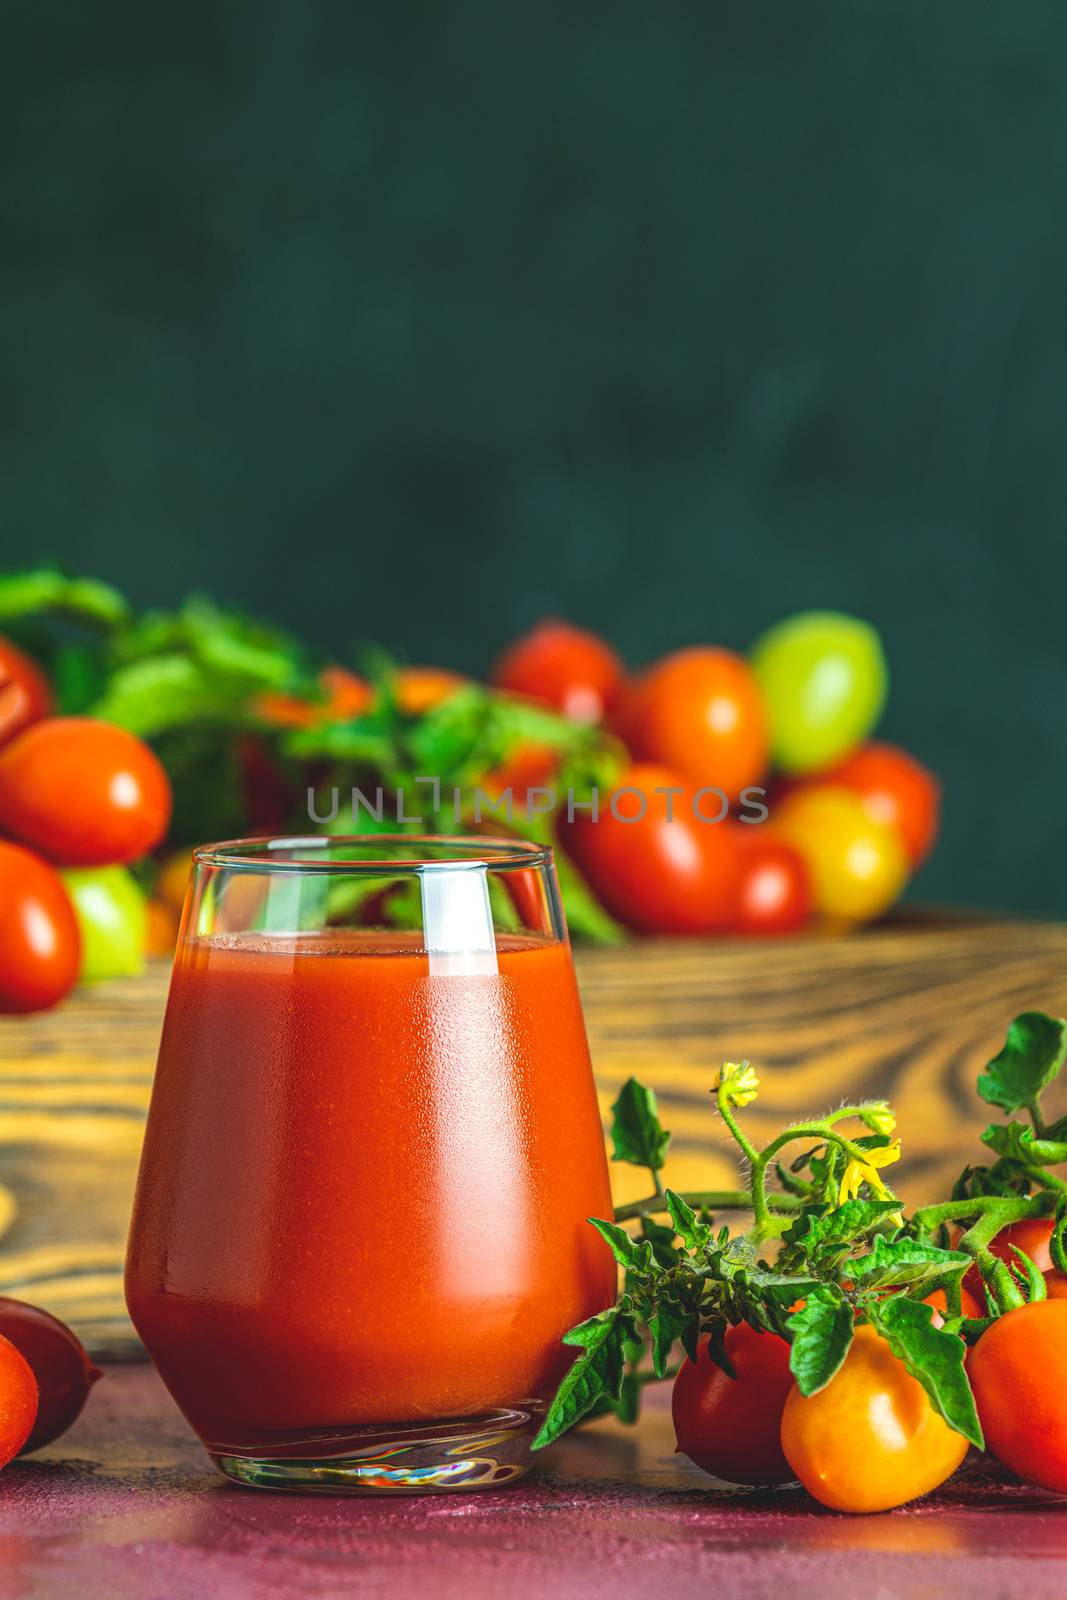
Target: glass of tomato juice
x=373, y=1144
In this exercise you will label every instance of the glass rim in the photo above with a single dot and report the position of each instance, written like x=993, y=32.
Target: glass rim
x=460, y=851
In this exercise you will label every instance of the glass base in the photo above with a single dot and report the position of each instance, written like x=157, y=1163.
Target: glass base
x=482, y=1452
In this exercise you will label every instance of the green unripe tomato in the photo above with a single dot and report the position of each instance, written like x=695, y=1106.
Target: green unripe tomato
x=111, y=912
x=824, y=678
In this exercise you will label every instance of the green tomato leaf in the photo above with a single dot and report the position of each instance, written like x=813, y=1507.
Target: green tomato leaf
x=597, y=1373
x=235, y=647
x=844, y=1223
x=157, y=693
x=1033, y=1054
x=934, y=1357
x=668, y=1323
x=637, y=1134
x=904, y=1262
x=661, y=1241
x=687, y=1225
x=634, y=1255
x=1017, y=1142
x=24, y=594
x=1057, y=1249
x=821, y=1333
x=628, y=1406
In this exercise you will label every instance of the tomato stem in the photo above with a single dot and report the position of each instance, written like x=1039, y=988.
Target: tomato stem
x=699, y=1199
x=767, y=1222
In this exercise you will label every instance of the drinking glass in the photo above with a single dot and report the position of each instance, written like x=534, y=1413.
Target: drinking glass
x=373, y=1144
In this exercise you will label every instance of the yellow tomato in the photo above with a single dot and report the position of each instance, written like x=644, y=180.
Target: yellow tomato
x=857, y=864
x=871, y=1439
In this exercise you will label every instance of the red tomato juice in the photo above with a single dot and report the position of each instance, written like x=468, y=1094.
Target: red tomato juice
x=365, y=1185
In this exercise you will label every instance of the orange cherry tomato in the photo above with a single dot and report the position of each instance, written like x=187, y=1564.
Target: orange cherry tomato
x=662, y=870
x=1018, y=1371
x=731, y=1426
x=161, y=929
x=969, y=1306
x=699, y=712
x=173, y=879
x=568, y=668
x=40, y=944
x=346, y=695
x=18, y=1400
x=25, y=694
x=871, y=1439
x=774, y=892
x=530, y=766
x=280, y=709
x=421, y=689
x=895, y=789
x=82, y=792
x=1032, y=1234
x=858, y=866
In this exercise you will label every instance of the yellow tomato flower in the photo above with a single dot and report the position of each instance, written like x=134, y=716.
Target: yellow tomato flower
x=878, y=1117
x=738, y=1083
x=859, y=1172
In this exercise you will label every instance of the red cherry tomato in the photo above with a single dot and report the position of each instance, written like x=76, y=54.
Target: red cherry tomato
x=731, y=1426
x=895, y=789
x=1033, y=1235
x=663, y=871
x=82, y=792
x=568, y=668
x=1018, y=1371
x=18, y=1401
x=40, y=945
x=774, y=893
x=701, y=713
x=25, y=695
x=1055, y=1285
x=62, y=1370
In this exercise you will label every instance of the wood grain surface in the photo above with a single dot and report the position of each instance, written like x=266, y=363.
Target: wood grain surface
x=908, y=1012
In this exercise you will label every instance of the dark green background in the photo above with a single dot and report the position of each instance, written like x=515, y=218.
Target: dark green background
x=414, y=321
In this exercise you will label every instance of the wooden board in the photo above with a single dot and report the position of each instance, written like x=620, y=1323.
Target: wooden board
x=910, y=1012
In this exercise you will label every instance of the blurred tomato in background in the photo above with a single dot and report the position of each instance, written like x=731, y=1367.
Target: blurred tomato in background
x=651, y=862
x=25, y=693
x=735, y=795
x=568, y=668
x=82, y=792
x=824, y=680
x=40, y=945
x=857, y=864
x=422, y=689
x=774, y=885
x=699, y=712
x=897, y=790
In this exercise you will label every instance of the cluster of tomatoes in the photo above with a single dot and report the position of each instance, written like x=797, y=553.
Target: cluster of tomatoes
x=848, y=820
x=79, y=800
x=45, y=1378
x=871, y=1440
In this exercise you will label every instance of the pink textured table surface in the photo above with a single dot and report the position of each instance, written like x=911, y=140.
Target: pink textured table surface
x=126, y=1508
